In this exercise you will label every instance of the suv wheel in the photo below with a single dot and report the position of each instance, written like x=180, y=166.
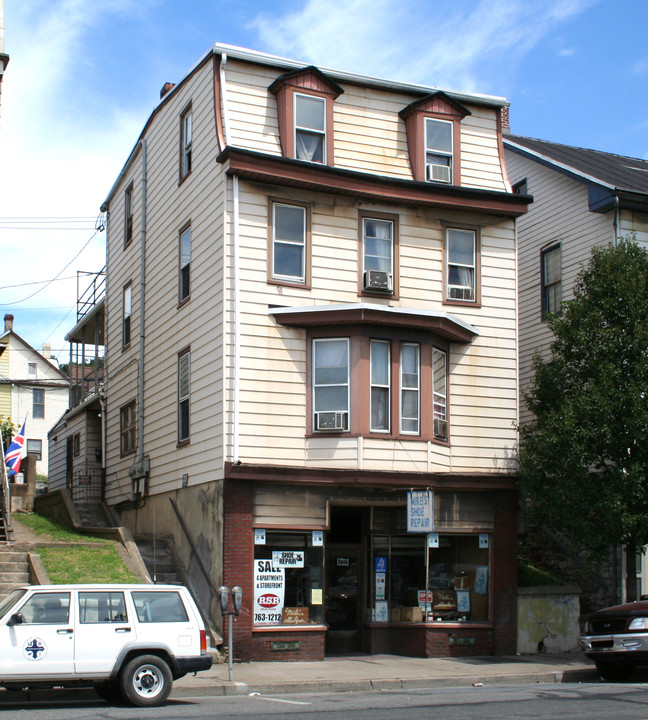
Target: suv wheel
x=614, y=672
x=146, y=681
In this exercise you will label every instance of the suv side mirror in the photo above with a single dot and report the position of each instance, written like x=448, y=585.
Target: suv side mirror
x=16, y=619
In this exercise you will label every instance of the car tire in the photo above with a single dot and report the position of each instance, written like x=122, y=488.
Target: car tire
x=110, y=692
x=614, y=672
x=146, y=681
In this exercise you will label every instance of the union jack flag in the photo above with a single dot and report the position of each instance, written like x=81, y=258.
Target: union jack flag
x=16, y=452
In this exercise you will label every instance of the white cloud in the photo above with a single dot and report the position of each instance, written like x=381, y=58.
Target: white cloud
x=447, y=44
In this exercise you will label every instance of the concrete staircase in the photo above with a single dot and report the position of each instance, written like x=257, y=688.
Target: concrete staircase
x=158, y=559
x=92, y=514
x=14, y=569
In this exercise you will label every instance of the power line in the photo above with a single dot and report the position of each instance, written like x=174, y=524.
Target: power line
x=99, y=227
x=36, y=282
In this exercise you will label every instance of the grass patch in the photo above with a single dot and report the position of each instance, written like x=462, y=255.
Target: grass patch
x=49, y=530
x=78, y=564
x=531, y=576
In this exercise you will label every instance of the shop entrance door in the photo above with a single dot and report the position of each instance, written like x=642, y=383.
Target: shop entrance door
x=344, y=598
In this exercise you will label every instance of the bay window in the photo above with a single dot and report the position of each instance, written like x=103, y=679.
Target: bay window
x=439, y=390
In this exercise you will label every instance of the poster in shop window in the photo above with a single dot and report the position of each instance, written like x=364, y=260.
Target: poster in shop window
x=269, y=589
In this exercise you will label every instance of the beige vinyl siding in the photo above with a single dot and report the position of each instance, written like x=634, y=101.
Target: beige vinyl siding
x=483, y=374
x=559, y=214
x=170, y=328
x=634, y=223
x=369, y=135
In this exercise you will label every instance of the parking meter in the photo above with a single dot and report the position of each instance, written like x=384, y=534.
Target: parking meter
x=237, y=598
x=223, y=597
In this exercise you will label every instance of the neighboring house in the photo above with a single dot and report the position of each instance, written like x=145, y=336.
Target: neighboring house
x=311, y=310
x=31, y=388
x=581, y=199
x=76, y=440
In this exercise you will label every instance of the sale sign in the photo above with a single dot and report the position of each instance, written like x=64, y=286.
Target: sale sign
x=269, y=586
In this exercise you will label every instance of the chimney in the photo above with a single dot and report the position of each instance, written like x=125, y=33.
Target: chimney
x=504, y=116
x=47, y=348
x=167, y=87
x=9, y=322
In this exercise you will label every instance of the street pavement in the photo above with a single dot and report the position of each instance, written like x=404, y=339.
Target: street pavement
x=384, y=672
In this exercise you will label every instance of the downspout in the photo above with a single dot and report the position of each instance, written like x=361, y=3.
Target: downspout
x=140, y=389
x=617, y=221
x=237, y=325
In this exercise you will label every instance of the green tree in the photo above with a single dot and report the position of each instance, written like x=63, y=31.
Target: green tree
x=584, y=459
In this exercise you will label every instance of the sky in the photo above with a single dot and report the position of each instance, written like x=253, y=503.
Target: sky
x=84, y=76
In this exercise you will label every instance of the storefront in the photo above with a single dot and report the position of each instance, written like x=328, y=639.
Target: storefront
x=360, y=581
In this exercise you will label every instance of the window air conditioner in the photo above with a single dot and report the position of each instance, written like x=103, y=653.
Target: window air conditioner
x=335, y=420
x=440, y=428
x=438, y=173
x=377, y=280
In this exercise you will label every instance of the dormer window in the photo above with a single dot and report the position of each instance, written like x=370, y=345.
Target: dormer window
x=305, y=114
x=433, y=126
x=438, y=150
x=310, y=128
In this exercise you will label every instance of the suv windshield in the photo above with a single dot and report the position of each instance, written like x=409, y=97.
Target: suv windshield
x=11, y=600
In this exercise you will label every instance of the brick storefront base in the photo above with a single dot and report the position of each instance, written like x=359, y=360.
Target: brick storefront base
x=288, y=645
x=420, y=640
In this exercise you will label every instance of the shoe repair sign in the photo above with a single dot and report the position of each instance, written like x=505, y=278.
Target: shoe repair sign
x=269, y=587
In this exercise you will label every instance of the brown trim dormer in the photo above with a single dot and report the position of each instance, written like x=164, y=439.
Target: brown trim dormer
x=311, y=82
x=440, y=107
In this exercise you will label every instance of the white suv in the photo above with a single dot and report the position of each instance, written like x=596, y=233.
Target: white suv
x=128, y=641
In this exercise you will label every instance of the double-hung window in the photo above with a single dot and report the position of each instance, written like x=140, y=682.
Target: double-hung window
x=410, y=385
x=186, y=141
x=127, y=308
x=184, y=389
x=461, y=264
x=185, y=263
x=551, y=280
x=331, y=384
x=438, y=150
x=380, y=385
x=38, y=404
x=377, y=255
x=310, y=128
x=289, y=238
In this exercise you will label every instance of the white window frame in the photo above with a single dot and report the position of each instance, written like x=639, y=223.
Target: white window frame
x=38, y=401
x=185, y=266
x=450, y=286
x=546, y=286
x=416, y=389
x=366, y=220
x=38, y=444
x=439, y=153
x=279, y=276
x=381, y=386
x=310, y=130
x=440, y=391
x=186, y=142
x=315, y=344
x=184, y=393
x=127, y=311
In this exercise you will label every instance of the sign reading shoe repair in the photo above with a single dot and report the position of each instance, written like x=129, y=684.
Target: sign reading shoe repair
x=288, y=558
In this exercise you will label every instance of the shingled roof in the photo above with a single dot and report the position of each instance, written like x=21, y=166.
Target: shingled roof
x=614, y=171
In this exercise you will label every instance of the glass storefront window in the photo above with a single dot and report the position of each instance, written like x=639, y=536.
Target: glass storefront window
x=288, y=580
x=457, y=579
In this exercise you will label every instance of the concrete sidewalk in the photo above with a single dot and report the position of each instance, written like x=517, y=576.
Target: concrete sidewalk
x=384, y=672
